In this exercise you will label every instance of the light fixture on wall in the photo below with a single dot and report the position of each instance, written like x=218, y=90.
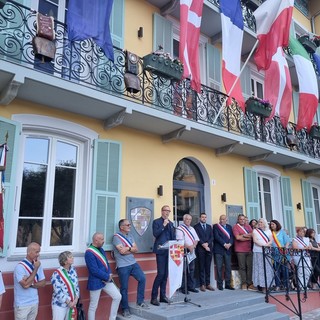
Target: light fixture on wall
x=160, y=190
x=140, y=32
x=224, y=197
x=299, y=206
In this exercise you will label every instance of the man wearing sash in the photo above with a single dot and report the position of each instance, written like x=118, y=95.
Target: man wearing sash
x=188, y=234
x=163, y=231
x=242, y=246
x=28, y=276
x=204, y=251
x=100, y=277
x=223, y=240
x=124, y=248
x=66, y=290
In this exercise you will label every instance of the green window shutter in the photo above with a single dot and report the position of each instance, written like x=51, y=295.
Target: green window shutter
x=162, y=33
x=287, y=207
x=308, y=207
x=295, y=101
x=245, y=79
x=214, y=67
x=105, y=212
x=12, y=130
x=117, y=23
x=251, y=193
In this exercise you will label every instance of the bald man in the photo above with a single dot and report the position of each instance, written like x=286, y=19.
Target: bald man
x=100, y=277
x=28, y=276
x=223, y=240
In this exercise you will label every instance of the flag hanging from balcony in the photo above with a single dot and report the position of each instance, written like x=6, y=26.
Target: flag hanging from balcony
x=316, y=59
x=273, y=20
x=190, y=22
x=308, y=85
x=278, y=88
x=90, y=19
x=232, y=36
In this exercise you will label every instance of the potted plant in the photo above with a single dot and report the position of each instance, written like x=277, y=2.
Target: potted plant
x=163, y=65
x=315, y=131
x=308, y=44
x=259, y=107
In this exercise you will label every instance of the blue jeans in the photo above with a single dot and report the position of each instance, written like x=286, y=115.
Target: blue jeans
x=124, y=273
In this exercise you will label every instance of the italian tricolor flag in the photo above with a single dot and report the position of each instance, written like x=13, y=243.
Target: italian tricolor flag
x=308, y=85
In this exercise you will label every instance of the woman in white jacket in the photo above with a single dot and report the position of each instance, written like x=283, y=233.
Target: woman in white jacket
x=262, y=237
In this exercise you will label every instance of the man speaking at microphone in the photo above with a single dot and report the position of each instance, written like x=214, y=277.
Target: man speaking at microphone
x=163, y=231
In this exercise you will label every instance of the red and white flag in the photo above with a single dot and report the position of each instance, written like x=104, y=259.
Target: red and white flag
x=190, y=21
x=278, y=89
x=175, y=256
x=308, y=85
x=273, y=19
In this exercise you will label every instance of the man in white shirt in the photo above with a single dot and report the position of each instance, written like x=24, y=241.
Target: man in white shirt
x=188, y=234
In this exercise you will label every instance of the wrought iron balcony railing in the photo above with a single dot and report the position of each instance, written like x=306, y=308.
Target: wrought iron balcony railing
x=84, y=63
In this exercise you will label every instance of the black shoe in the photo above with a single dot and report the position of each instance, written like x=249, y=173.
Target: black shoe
x=155, y=302
x=183, y=291
x=164, y=299
x=220, y=288
x=194, y=290
x=229, y=288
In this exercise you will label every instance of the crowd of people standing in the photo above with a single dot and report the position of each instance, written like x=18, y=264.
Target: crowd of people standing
x=245, y=241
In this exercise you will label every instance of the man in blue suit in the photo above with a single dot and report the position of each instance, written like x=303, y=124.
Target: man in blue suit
x=204, y=251
x=100, y=277
x=223, y=240
x=163, y=231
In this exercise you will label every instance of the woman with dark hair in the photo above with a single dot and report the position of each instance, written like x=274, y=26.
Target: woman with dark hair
x=280, y=243
x=253, y=224
x=315, y=258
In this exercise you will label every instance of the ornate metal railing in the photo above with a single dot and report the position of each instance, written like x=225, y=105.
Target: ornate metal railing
x=84, y=63
x=292, y=273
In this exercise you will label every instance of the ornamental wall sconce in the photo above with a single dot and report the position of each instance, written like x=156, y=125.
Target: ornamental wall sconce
x=160, y=190
x=140, y=32
x=224, y=197
x=299, y=206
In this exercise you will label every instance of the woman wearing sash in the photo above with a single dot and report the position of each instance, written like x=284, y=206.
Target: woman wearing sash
x=262, y=237
x=65, y=289
x=280, y=243
x=315, y=258
x=301, y=257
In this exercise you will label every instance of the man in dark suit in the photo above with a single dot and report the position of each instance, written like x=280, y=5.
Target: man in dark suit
x=223, y=240
x=163, y=231
x=204, y=251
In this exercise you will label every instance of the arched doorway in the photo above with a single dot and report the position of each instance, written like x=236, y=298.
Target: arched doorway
x=188, y=190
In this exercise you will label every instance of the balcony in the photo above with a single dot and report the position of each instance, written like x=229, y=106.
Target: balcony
x=81, y=80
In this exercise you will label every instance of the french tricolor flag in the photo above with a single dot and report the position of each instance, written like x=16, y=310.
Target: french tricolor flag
x=232, y=36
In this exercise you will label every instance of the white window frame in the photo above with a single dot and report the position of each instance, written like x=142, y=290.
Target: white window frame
x=83, y=137
x=315, y=183
x=274, y=176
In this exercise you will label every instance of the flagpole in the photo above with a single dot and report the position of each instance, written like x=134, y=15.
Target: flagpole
x=235, y=82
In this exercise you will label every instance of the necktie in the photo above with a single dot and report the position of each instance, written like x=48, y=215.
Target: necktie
x=204, y=227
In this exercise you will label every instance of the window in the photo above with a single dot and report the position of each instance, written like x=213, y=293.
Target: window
x=316, y=201
x=265, y=197
x=53, y=199
x=257, y=85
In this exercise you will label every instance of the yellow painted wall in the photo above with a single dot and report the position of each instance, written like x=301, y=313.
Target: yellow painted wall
x=302, y=19
x=138, y=13
x=147, y=162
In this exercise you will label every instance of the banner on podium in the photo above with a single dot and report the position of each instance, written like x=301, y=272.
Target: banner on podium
x=175, y=256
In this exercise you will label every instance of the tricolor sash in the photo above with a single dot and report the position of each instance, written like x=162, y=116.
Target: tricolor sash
x=263, y=235
x=277, y=242
x=243, y=229
x=126, y=242
x=300, y=240
x=71, y=290
x=29, y=267
x=224, y=230
x=97, y=253
x=186, y=231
